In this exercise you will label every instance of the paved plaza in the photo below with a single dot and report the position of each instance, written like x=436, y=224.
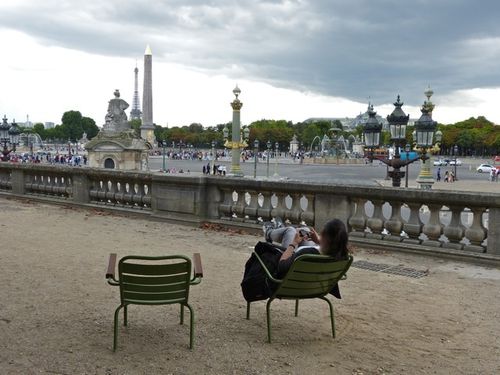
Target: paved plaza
x=351, y=174
x=60, y=312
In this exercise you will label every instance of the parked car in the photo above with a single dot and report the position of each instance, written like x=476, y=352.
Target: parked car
x=485, y=168
x=458, y=161
x=438, y=163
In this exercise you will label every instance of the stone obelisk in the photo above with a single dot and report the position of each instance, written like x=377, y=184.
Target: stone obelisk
x=147, y=127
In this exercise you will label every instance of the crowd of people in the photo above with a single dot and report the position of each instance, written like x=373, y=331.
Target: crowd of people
x=36, y=158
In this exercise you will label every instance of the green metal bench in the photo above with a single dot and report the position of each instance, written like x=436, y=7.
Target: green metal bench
x=161, y=280
x=310, y=276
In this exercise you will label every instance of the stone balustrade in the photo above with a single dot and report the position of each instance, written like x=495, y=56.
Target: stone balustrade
x=376, y=216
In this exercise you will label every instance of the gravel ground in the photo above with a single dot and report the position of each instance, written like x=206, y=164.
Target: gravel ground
x=56, y=310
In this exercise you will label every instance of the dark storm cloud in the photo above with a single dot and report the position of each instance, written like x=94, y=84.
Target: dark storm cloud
x=353, y=49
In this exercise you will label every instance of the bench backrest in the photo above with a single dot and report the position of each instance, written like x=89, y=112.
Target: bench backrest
x=154, y=280
x=312, y=276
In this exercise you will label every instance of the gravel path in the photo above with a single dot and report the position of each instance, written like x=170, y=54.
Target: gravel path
x=56, y=310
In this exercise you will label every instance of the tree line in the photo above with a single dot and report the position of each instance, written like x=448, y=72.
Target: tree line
x=473, y=137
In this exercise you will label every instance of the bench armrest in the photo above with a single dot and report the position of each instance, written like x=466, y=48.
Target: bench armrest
x=110, y=273
x=198, y=269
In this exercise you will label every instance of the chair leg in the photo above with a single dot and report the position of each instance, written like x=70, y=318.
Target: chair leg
x=248, y=310
x=191, y=326
x=268, y=314
x=182, y=314
x=115, y=335
x=125, y=315
x=296, y=307
x=332, y=317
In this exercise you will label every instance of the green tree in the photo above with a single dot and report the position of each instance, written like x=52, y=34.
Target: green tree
x=89, y=127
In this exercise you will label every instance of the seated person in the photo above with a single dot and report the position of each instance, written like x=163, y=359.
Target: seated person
x=299, y=241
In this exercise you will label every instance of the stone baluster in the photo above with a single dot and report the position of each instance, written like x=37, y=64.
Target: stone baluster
x=239, y=205
x=295, y=210
x=110, y=191
x=94, y=190
x=376, y=222
x=264, y=211
x=101, y=191
x=138, y=193
x=358, y=220
x=308, y=214
x=477, y=232
x=225, y=208
x=129, y=193
x=433, y=228
x=280, y=208
x=119, y=193
x=146, y=197
x=395, y=224
x=413, y=227
x=58, y=185
x=454, y=231
x=252, y=207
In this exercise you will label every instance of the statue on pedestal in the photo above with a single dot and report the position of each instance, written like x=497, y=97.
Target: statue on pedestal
x=117, y=146
x=116, y=118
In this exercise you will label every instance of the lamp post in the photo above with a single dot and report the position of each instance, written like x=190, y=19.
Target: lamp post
x=268, y=154
x=398, y=121
x=455, y=152
x=256, y=157
x=164, y=151
x=236, y=143
x=9, y=138
x=425, y=130
x=212, y=161
x=276, y=151
x=407, y=150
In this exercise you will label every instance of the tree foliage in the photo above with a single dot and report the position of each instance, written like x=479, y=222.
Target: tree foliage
x=72, y=127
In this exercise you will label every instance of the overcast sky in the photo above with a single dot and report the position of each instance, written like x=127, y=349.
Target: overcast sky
x=292, y=59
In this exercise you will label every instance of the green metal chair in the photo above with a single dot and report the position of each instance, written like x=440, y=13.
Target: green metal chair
x=310, y=276
x=161, y=280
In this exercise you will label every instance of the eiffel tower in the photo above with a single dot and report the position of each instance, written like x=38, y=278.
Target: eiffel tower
x=135, y=113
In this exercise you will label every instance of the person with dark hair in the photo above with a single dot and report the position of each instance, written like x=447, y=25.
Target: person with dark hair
x=332, y=241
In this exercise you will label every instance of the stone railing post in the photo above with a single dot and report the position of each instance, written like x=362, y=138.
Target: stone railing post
x=493, y=231
x=329, y=206
x=17, y=181
x=81, y=188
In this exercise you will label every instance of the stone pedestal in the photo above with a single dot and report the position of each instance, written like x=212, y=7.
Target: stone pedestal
x=118, y=151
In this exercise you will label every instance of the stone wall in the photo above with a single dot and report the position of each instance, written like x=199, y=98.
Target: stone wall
x=458, y=223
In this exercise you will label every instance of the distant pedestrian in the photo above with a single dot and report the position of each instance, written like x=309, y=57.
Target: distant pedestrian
x=438, y=175
x=446, y=176
x=452, y=176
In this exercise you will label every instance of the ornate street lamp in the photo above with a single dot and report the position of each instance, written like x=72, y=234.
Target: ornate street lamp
x=372, y=130
x=9, y=137
x=398, y=122
x=236, y=143
x=425, y=128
